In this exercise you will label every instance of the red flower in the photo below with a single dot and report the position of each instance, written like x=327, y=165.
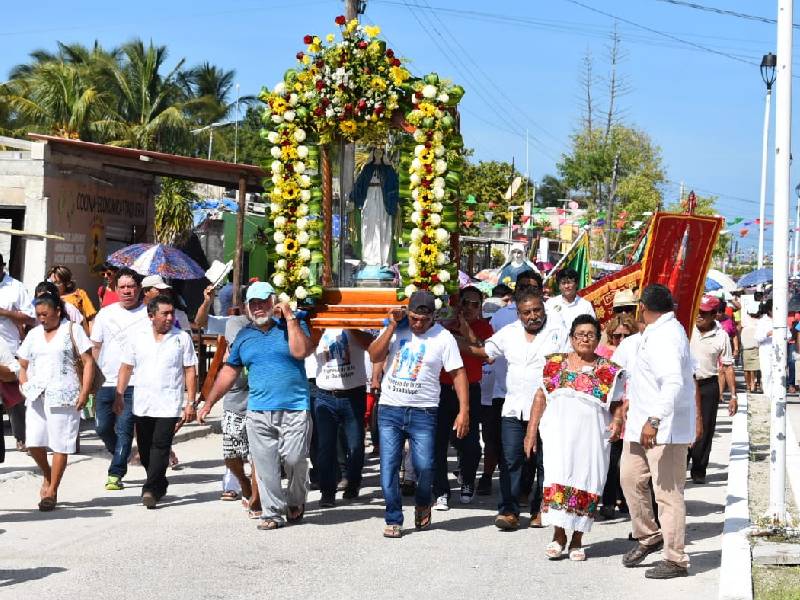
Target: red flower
x=299, y=56
x=605, y=375
x=362, y=44
x=396, y=62
x=390, y=53
x=341, y=20
x=308, y=39
x=320, y=85
x=551, y=368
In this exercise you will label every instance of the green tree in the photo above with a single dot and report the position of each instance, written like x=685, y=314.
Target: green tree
x=551, y=191
x=488, y=182
x=173, y=211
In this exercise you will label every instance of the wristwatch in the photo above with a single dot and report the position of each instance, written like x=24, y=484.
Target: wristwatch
x=654, y=422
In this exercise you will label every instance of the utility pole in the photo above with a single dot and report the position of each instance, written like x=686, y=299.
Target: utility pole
x=780, y=257
x=768, y=64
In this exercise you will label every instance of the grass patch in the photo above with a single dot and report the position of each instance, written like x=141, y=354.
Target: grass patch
x=776, y=582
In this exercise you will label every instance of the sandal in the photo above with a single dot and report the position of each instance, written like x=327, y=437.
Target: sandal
x=553, y=550
x=47, y=503
x=577, y=554
x=422, y=517
x=298, y=512
x=269, y=524
x=229, y=496
x=254, y=514
x=392, y=531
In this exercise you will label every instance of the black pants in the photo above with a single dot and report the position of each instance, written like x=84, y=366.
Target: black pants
x=613, y=490
x=469, y=447
x=709, y=403
x=154, y=439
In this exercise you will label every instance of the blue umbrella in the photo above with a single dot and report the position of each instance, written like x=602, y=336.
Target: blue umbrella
x=711, y=285
x=756, y=277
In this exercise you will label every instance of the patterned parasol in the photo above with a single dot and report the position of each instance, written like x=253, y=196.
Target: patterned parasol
x=157, y=259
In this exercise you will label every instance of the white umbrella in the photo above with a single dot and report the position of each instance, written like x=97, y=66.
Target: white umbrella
x=724, y=281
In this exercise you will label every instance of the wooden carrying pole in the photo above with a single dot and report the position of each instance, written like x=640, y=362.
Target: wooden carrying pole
x=238, y=257
x=213, y=369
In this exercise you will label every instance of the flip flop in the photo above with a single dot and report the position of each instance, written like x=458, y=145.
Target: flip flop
x=392, y=531
x=229, y=496
x=577, y=554
x=47, y=503
x=269, y=524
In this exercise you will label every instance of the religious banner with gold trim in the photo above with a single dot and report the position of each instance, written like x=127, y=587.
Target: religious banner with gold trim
x=678, y=254
x=601, y=293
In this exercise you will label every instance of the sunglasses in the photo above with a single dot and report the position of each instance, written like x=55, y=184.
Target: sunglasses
x=624, y=309
x=619, y=336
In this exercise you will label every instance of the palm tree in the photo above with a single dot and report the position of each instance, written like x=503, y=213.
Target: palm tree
x=208, y=88
x=149, y=109
x=173, y=215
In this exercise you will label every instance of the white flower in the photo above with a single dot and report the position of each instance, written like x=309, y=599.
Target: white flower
x=279, y=280
x=329, y=112
x=280, y=88
x=436, y=219
x=415, y=217
x=280, y=263
x=415, y=193
x=417, y=205
x=439, y=151
x=438, y=136
x=305, y=196
x=438, y=290
x=273, y=137
x=429, y=91
x=274, y=207
x=436, y=207
x=414, y=179
x=293, y=99
x=418, y=149
x=444, y=276
x=305, y=181
x=416, y=234
x=438, y=304
x=438, y=182
x=441, y=167
x=413, y=249
x=416, y=164
x=277, y=179
x=299, y=167
x=302, y=237
x=289, y=115
x=279, y=236
x=304, y=254
x=279, y=249
x=279, y=222
x=283, y=297
x=410, y=289
x=276, y=166
x=300, y=293
x=275, y=152
x=299, y=135
x=412, y=270
x=302, y=223
x=304, y=272
x=438, y=193
x=419, y=135
x=441, y=259
x=302, y=151
x=277, y=119
x=442, y=235
x=443, y=98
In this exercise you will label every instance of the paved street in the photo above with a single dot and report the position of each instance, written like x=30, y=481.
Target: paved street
x=100, y=544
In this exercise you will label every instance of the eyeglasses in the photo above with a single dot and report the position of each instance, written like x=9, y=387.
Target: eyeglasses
x=585, y=336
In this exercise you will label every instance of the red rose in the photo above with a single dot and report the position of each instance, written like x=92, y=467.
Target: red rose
x=362, y=44
x=341, y=20
x=390, y=53
x=605, y=375
x=435, y=278
x=319, y=111
x=320, y=85
x=396, y=62
x=299, y=56
x=319, y=64
x=551, y=368
x=426, y=239
x=307, y=39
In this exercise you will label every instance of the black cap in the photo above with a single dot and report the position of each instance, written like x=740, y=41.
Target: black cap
x=422, y=302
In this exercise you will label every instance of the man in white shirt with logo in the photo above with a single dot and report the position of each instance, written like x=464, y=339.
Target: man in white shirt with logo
x=166, y=361
x=110, y=331
x=568, y=304
x=660, y=426
x=524, y=344
x=340, y=401
x=415, y=356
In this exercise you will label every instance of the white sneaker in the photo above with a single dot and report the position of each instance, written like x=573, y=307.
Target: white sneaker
x=441, y=503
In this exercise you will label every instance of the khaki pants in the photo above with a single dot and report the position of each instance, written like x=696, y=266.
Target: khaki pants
x=666, y=464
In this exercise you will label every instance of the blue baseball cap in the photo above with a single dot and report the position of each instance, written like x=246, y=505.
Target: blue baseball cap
x=260, y=290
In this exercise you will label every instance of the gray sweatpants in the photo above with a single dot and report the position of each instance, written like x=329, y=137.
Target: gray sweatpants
x=280, y=436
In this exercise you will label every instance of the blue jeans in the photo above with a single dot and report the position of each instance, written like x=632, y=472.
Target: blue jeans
x=330, y=413
x=396, y=424
x=116, y=431
x=514, y=463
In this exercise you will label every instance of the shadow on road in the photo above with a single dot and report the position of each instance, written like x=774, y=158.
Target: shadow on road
x=14, y=576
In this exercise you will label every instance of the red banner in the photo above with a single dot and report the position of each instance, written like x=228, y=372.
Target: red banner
x=601, y=293
x=678, y=255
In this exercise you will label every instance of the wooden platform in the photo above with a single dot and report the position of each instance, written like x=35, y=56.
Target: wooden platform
x=355, y=307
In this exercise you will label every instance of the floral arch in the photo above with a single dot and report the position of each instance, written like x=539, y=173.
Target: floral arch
x=357, y=89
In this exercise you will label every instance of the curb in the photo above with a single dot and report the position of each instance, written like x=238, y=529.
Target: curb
x=793, y=461
x=735, y=576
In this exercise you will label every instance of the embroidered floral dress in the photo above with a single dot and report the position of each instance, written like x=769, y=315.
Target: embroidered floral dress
x=574, y=430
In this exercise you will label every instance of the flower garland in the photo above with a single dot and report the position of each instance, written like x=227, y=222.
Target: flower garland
x=353, y=89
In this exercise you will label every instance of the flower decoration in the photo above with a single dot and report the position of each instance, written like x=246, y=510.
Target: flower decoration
x=354, y=89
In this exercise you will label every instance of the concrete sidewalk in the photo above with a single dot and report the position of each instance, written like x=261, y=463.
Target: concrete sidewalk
x=99, y=544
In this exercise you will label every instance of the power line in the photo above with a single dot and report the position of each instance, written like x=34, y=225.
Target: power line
x=722, y=11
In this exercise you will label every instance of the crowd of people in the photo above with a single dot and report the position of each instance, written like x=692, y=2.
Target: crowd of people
x=581, y=420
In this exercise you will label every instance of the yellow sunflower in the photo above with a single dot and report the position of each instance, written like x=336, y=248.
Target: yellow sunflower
x=279, y=105
x=399, y=75
x=378, y=83
x=426, y=156
x=291, y=191
x=348, y=127
x=291, y=246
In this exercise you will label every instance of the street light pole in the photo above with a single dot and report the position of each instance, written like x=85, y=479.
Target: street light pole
x=796, y=234
x=768, y=63
x=780, y=259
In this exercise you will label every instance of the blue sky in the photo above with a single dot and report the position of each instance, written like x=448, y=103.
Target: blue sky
x=520, y=62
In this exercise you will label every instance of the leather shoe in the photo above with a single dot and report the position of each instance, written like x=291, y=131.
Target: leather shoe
x=507, y=522
x=639, y=553
x=666, y=569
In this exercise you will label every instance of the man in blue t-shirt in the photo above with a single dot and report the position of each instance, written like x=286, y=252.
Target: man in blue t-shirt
x=272, y=348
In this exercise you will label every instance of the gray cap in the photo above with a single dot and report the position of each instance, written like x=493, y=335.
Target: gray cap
x=422, y=302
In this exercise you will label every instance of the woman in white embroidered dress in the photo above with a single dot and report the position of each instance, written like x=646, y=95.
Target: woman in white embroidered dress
x=577, y=412
x=50, y=363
